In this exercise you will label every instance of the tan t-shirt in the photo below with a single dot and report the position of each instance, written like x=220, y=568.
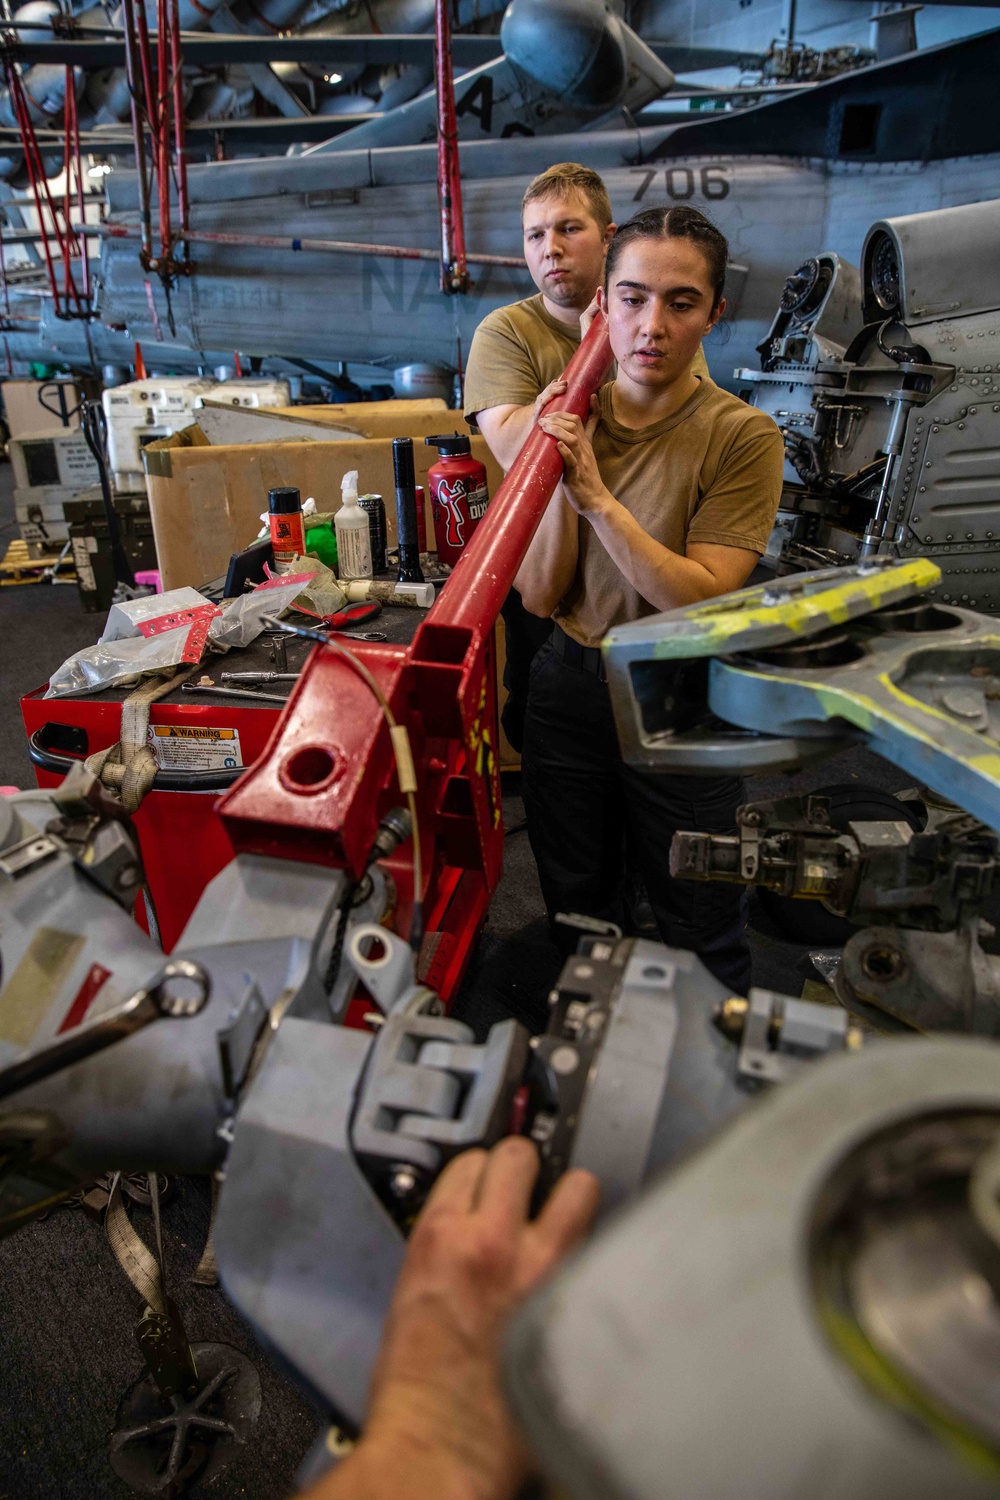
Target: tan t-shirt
x=518, y=350
x=710, y=473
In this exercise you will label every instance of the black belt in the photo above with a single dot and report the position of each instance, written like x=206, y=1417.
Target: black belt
x=580, y=658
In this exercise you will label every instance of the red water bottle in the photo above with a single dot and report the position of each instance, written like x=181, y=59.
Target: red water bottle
x=459, y=496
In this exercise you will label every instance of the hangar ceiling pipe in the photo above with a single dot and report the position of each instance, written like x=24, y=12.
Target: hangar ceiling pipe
x=307, y=246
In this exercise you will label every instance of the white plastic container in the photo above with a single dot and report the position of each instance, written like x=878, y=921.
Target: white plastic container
x=144, y=410
x=25, y=413
x=354, y=548
x=252, y=392
x=45, y=459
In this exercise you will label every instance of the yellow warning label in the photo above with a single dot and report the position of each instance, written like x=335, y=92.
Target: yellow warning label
x=186, y=732
x=183, y=747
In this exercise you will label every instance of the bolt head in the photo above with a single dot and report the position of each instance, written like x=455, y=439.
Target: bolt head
x=402, y=1182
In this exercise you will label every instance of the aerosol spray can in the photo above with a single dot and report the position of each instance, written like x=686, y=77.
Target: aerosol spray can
x=375, y=508
x=406, y=512
x=459, y=495
x=288, y=537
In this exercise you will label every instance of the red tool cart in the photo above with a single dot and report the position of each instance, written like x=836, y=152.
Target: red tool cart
x=197, y=734
x=204, y=742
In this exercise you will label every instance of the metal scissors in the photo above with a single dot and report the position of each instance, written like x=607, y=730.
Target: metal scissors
x=356, y=614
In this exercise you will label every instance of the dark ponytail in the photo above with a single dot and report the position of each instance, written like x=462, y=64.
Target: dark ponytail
x=677, y=223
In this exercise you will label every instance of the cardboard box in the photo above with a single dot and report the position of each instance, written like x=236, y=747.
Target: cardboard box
x=281, y=424
x=43, y=459
x=372, y=418
x=206, y=500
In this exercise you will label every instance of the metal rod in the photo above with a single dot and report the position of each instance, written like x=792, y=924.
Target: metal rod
x=132, y=73
x=307, y=246
x=260, y=677
x=67, y=144
x=145, y=54
x=454, y=269
x=879, y=527
x=482, y=576
x=81, y=193
x=177, y=63
x=163, y=132
x=225, y=692
x=39, y=187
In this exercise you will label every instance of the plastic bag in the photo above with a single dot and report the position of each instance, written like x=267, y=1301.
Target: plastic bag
x=242, y=620
x=117, y=659
x=126, y=619
x=322, y=595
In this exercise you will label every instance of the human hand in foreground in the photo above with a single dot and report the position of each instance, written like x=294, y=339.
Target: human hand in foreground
x=438, y=1428
x=582, y=483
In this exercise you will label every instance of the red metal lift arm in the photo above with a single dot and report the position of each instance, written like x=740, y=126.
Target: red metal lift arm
x=329, y=773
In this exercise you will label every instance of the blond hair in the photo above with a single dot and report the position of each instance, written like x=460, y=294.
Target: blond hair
x=570, y=177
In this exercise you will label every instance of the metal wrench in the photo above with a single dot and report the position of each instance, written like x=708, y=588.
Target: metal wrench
x=260, y=677
x=226, y=692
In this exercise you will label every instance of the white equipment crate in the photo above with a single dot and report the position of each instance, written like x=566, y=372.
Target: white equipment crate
x=142, y=411
x=34, y=406
x=46, y=459
x=40, y=517
x=251, y=392
x=145, y=410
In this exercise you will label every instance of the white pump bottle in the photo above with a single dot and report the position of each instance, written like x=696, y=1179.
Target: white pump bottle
x=354, y=548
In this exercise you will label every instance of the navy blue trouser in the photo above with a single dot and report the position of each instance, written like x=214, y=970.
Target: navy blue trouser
x=525, y=635
x=588, y=812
